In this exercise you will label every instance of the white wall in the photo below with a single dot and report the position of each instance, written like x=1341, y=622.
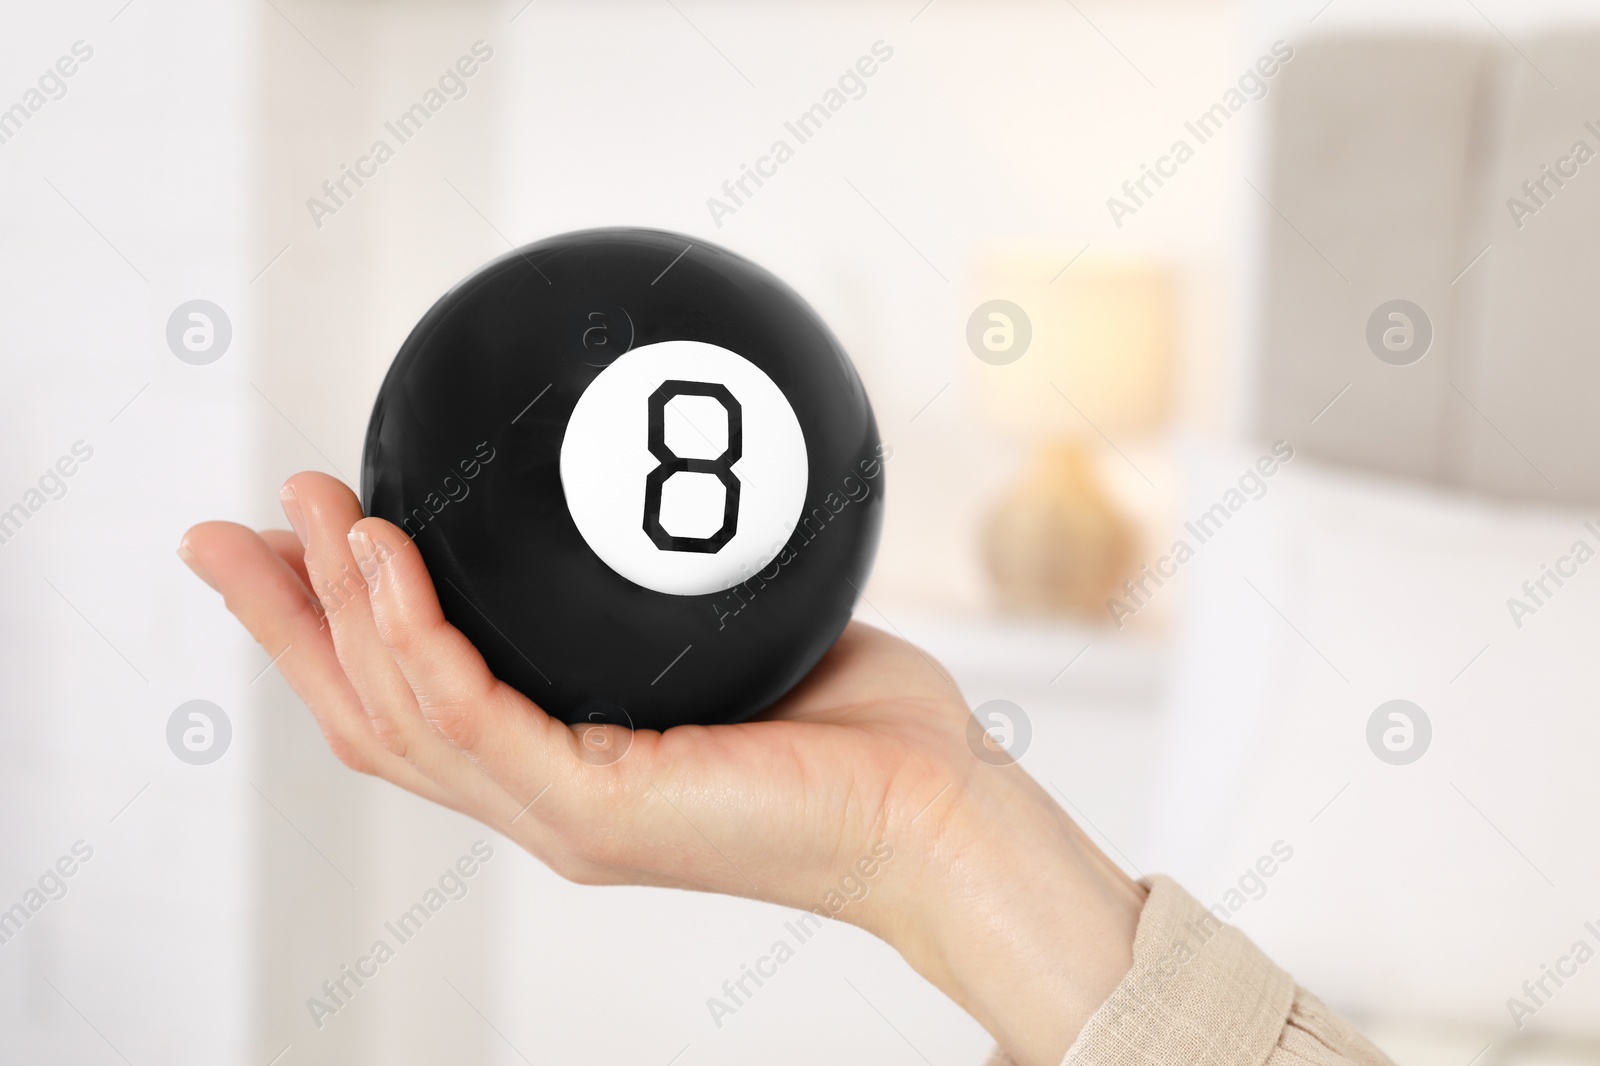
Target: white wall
x=104, y=631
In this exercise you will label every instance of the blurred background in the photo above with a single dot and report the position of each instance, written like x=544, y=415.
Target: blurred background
x=1239, y=364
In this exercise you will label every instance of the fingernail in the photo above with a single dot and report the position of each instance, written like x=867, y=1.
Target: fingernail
x=366, y=558
x=292, y=511
x=193, y=563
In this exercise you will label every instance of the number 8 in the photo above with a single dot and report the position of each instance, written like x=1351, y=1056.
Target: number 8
x=671, y=463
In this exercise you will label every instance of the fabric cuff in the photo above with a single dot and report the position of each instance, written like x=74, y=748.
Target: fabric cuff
x=1198, y=992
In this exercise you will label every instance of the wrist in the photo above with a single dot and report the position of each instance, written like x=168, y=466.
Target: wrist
x=1014, y=913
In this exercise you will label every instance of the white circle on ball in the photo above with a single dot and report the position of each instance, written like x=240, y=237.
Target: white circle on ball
x=720, y=493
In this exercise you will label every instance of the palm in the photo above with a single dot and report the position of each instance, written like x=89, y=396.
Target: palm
x=861, y=747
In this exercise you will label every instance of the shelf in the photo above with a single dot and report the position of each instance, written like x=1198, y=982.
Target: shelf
x=1045, y=660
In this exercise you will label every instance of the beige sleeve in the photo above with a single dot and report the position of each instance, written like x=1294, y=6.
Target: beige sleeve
x=1199, y=992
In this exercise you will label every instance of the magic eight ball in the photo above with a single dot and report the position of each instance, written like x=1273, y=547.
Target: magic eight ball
x=643, y=475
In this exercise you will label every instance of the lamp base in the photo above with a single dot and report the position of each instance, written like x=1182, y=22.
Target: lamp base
x=1056, y=543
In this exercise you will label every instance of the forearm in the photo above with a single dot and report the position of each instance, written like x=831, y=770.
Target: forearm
x=1030, y=928
x=1016, y=915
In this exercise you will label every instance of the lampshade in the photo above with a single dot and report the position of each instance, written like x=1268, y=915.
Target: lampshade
x=1098, y=335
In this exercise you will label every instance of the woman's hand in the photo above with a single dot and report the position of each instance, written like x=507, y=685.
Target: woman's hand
x=990, y=890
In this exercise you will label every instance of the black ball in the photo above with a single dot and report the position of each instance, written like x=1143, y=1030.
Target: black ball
x=643, y=474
